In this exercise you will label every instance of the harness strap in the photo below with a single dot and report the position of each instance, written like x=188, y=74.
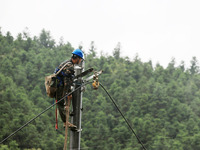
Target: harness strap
x=61, y=68
x=57, y=71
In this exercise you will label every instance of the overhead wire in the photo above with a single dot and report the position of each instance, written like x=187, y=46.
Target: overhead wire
x=13, y=133
x=124, y=117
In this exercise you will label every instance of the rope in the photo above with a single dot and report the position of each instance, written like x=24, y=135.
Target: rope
x=67, y=120
x=41, y=113
x=124, y=118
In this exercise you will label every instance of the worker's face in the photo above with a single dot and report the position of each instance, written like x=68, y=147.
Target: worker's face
x=79, y=60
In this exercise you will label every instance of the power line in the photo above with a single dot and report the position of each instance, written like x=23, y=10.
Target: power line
x=41, y=113
x=12, y=134
x=124, y=117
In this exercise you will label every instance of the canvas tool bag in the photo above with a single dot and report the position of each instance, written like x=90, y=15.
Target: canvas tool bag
x=50, y=83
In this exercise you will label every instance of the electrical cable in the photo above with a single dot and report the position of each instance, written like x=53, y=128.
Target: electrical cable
x=12, y=134
x=124, y=117
x=41, y=113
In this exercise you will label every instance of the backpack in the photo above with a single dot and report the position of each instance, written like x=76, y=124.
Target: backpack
x=51, y=83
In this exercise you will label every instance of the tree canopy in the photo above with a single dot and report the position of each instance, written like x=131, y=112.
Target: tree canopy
x=162, y=104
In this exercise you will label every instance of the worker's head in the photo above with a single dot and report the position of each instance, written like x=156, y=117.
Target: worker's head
x=77, y=56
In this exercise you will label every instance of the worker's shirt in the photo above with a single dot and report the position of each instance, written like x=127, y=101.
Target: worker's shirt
x=65, y=78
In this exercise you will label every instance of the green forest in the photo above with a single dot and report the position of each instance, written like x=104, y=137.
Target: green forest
x=161, y=103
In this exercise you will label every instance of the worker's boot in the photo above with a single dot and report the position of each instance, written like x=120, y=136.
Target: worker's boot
x=71, y=126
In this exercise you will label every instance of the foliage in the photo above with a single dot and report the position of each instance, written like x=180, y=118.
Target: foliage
x=161, y=104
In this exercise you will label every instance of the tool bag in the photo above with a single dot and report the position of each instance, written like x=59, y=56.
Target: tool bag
x=50, y=83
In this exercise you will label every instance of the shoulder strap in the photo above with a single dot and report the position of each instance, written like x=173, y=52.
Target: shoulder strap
x=61, y=68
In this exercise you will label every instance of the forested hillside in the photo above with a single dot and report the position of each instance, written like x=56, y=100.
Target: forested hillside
x=161, y=104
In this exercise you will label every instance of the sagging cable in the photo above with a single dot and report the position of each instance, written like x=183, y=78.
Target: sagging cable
x=12, y=134
x=124, y=117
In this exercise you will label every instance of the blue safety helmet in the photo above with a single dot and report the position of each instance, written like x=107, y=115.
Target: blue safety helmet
x=78, y=52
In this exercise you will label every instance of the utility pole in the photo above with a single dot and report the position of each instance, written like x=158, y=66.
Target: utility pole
x=75, y=136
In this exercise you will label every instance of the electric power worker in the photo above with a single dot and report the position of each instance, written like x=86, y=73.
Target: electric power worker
x=65, y=82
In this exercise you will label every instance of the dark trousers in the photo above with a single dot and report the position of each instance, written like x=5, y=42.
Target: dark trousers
x=62, y=104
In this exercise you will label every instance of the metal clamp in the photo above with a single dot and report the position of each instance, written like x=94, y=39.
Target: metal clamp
x=78, y=130
x=95, y=83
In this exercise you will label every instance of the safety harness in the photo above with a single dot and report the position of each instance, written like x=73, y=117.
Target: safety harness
x=59, y=82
